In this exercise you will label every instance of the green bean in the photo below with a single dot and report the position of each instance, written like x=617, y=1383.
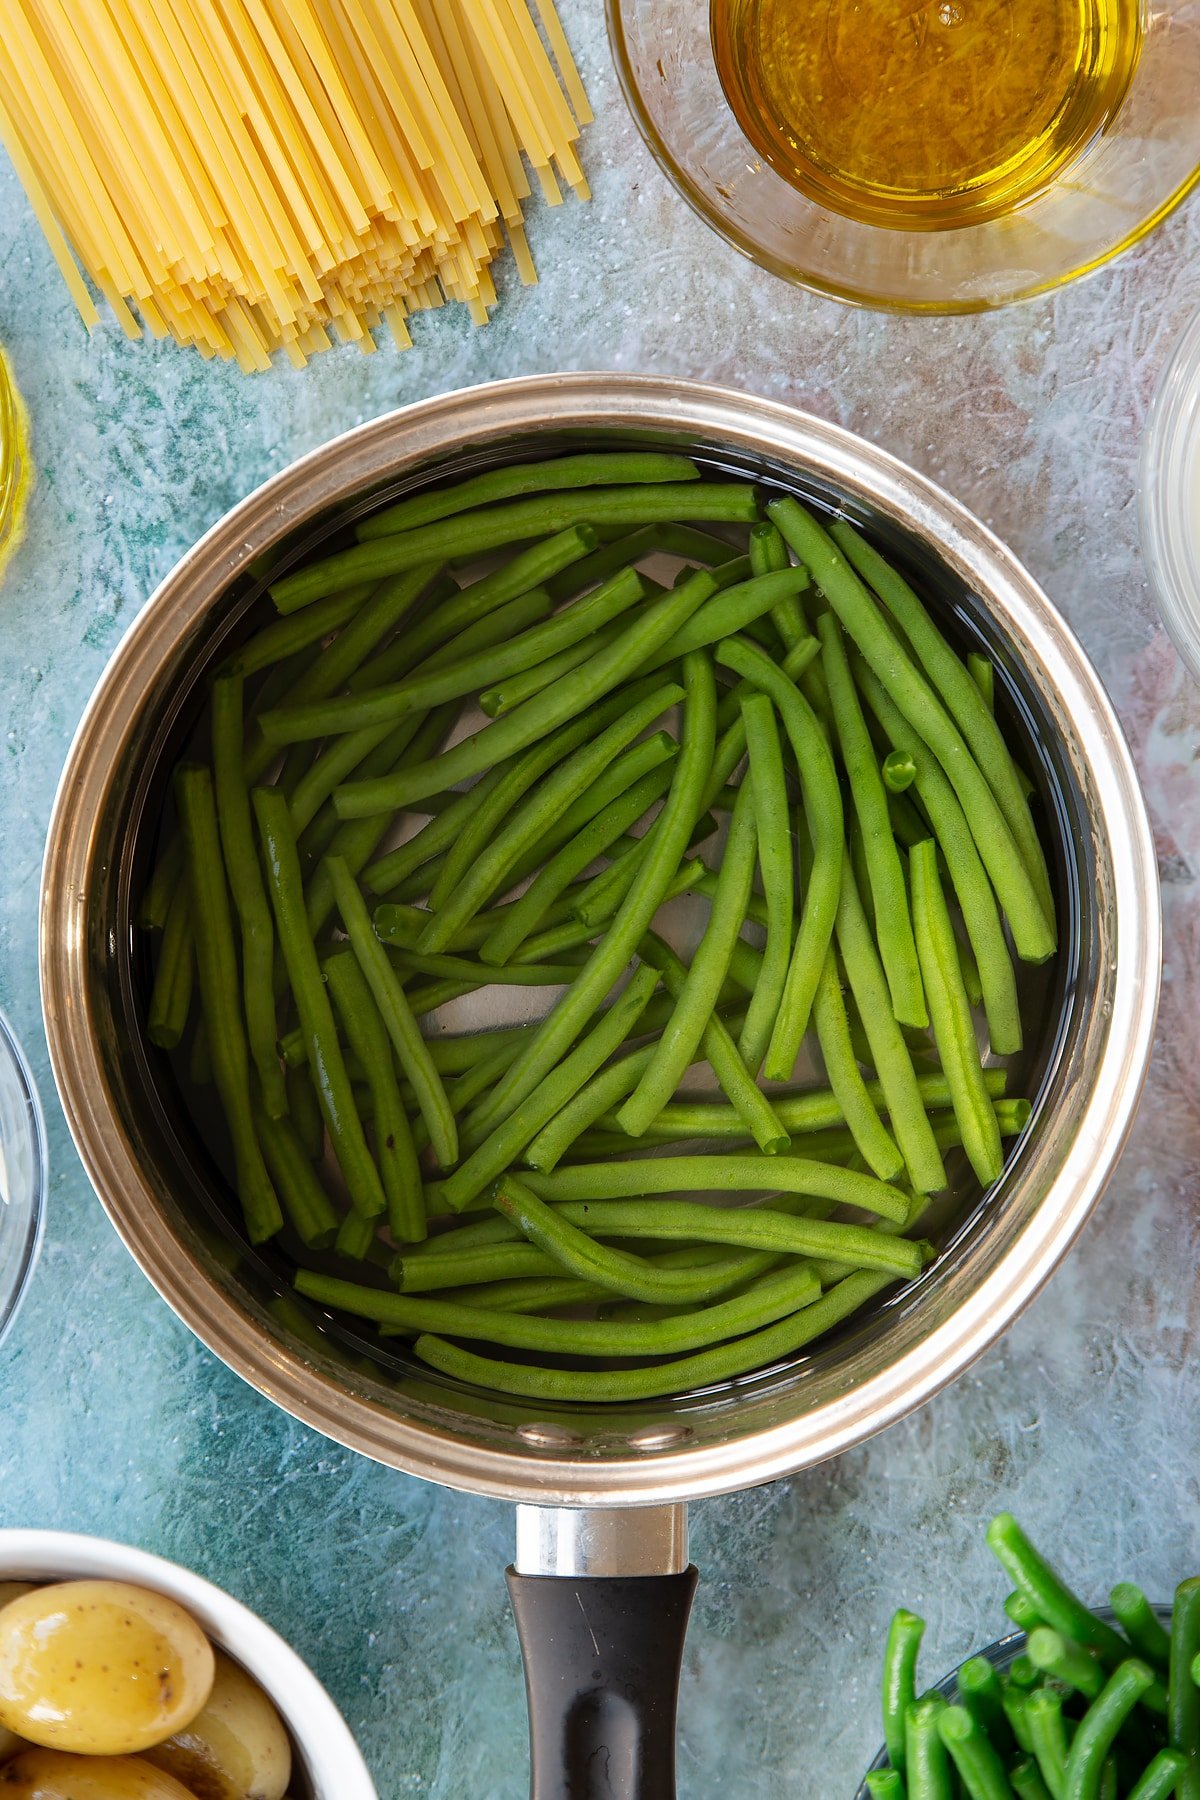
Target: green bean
x=1138, y=1621
x=495, y=1152
x=1012, y=1699
x=1183, y=1714
x=356, y=1236
x=854, y=1098
x=602, y=896
x=722, y=1054
x=394, y=1149
x=575, y=856
x=538, y=1293
x=1099, y=1726
x=889, y=1053
x=697, y=998
x=731, y=745
x=217, y=976
x=500, y=797
x=174, y=972
x=553, y=1232
x=1073, y=1667
x=1019, y=892
x=734, y=608
x=684, y=1274
x=304, y=1109
x=389, y=603
x=511, y=690
x=495, y=864
x=397, y=1015
x=461, y=968
x=889, y=894
x=963, y=698
x=899, y=1681
x=980, y=1691
x=926, y=1766
x=452, y=628
x=551, y=1144
x=250, y=901
x=472, y=533
x=774, y=1297
x=1027, y=1783
x=161, y=887
x=823, y=809
x=664, y=846
x=536, y=718
x=1052, y=1599
x=781, y=1233
x=430, y=687
x=768, y=552
x=322, y=1046
x=732, y=573
x=775, y=864
x=592, y=469
x=898, y=771
x=978, y=1765
x=983, y=674
x=600, y=564
x=969, y=971
x=356, y=841
x=953, y=1025
x=309, y=1209
x=1023, y=1613
x=966, y=869
x=1161, y=1777
x=885, y=1784
x=284, y=637
x=757, y=1350
x=1048, y=1733
x=638, y=760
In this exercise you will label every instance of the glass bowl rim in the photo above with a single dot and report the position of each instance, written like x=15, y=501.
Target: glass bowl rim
x=810, y=280
x=1172, y=562
x=13, y=1290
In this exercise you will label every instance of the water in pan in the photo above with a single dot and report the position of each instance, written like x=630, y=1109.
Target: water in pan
x=1046, y=993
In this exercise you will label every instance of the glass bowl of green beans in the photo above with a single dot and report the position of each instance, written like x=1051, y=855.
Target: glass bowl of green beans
x=1076, y=1701
x=356, y=1347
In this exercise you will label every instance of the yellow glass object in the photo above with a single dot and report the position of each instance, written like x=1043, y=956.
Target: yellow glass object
x=923, y=116
x=867, y=155
x=16, y=467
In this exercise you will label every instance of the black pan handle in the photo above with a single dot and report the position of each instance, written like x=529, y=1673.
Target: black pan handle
x=602, y=1656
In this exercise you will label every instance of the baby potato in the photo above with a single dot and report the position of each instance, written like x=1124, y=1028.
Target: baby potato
x=54, y=1775
x=100, y=1668
x=236, y=1749
x=12, y=1590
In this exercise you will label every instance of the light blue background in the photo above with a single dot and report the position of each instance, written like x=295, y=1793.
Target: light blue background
x=1084, y=1420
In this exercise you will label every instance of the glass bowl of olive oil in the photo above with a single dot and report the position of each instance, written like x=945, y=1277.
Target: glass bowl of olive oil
x=920, y=155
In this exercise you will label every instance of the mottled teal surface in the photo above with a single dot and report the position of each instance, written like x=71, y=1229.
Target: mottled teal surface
x=1085, y=1420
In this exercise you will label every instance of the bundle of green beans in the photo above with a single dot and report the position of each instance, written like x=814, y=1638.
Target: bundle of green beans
x=422, y=781
x=1092, y=1708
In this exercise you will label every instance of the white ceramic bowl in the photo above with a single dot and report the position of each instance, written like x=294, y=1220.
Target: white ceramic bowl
x=325, y=1749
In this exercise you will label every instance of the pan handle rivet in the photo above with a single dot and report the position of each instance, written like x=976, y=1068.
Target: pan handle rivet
x=549, y=1437
x=659, y=1437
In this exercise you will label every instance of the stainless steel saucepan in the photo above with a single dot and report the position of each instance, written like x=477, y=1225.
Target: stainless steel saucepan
x=601, y=1581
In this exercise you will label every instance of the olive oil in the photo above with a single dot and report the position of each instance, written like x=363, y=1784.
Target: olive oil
x=923, y=114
